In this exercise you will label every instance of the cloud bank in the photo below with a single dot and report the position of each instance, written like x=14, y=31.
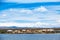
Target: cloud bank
x=38, y=17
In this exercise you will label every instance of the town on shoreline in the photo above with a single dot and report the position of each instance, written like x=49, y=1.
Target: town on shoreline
x=29, y=30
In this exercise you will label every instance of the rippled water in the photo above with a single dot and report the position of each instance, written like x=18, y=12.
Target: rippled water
x=29, y=36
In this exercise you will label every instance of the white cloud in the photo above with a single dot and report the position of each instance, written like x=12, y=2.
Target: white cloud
x=4, y=15
x=22, y=14
x=8, y=24
x=37, y=24
x=31, y=1
x=41, y=9
x=41, y=17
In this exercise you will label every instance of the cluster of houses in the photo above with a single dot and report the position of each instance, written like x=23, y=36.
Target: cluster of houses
x=31, y=30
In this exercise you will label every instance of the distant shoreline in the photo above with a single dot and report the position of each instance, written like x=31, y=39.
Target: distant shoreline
x=30, y=31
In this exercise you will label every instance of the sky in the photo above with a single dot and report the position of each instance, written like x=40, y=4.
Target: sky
x=32, y=13
x=30, y=1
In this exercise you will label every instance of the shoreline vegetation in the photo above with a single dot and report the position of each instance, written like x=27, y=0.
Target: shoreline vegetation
x=29, y=30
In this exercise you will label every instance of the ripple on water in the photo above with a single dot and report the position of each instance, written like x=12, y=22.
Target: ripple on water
x=29, y=36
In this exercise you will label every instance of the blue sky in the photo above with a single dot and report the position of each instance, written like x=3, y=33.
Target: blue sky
x=32, y=13
x=30, y=1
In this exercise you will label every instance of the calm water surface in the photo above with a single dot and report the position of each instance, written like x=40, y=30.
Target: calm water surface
x=29, y=36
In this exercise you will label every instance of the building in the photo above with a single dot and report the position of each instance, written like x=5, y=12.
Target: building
x=30, y=30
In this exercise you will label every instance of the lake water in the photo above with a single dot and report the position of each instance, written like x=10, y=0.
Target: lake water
x=29, y=36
